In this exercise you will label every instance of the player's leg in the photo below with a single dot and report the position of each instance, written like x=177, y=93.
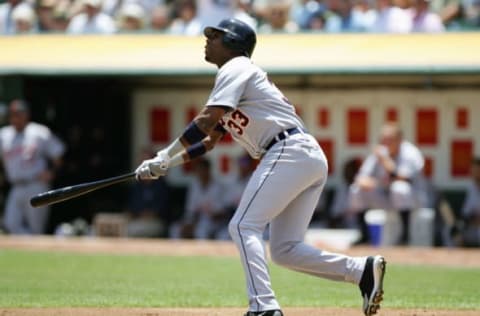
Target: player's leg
x=403, y=200
x=14, y=216
x=36, y=217
x=277, y=180
x=287, y=232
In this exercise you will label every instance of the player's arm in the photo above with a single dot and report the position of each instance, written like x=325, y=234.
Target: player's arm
x=200, y=136
x=210, y=132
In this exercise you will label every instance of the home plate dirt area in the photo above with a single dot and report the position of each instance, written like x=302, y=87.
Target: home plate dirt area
x=398, y=255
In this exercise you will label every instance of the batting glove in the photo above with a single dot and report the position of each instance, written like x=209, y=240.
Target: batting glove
x=154, y=168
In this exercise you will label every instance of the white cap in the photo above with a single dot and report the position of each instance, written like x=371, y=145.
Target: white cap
x=24, y=12
x=93, y=3
x=132, y=10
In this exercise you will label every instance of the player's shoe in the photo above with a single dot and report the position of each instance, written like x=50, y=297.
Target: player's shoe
x=371, y=284
x=274, y=312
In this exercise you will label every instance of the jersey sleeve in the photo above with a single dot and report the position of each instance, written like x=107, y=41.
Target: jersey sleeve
x=229, y=85
x=54, y=147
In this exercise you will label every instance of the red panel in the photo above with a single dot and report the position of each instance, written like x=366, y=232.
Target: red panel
x=462, y=118
x=191, y=113
x=328, y=147
x=160, y=125
x=427, y=126
x=428, y=167
x=461, y=157
x=227, y=139
x=357, y=125
x=391, y=115
x=225, y=162
x=323, y=117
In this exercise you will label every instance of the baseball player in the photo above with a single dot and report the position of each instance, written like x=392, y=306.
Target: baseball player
x=287, y=183
x=27, y=149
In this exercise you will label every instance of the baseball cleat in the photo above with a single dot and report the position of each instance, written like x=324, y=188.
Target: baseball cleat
x=274, y=312
x=371, y=284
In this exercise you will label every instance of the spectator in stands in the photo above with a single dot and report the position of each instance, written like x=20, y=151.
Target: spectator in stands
x=277, y=17
x=131, y=18
x=7, y=24
x=316, y=21
x=450, y=12
x=148, y=205
x=205, y=216
x=391, y=18
x=52, y=15
x=92, y=20
x=186, y=21
x=303, y=11
x=390, y=178
x=338, y=17
x=471, y=208
x=25, y=19
x=424, y=20
x=363, y=16
x=244, y=12
x=160, y=19
x=472, y=13
x=211, y=12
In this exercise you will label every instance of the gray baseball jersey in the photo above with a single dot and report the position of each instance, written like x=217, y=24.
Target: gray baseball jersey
x=260, y=112
x=284, y=188
x=25, y=156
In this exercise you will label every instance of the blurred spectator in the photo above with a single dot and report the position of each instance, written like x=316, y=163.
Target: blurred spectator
x=205, y=216
x=186, y=21
x=472, y=13
x=52, y=15
x=25, y=19
x=7, y=23
x=31, y=155
x=424, y=20
x=390, y=178
x=160, y=19
x=244, y=12
x=450, y=12
x=148, y=205
x=211, y=12
x=341, y=214
x=363, y=15
x=338, y=17
x=277, y=18
x=471, y=208
x=316, y=21
x=131, y=18
x=304, y=11
x=91, y=20
x=391, y=19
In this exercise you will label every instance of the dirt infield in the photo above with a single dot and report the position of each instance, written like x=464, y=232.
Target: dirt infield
x=437, y=256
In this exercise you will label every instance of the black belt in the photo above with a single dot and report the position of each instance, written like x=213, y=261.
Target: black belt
x=282, y=135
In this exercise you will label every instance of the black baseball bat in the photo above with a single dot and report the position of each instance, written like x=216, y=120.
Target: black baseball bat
x=70, y=192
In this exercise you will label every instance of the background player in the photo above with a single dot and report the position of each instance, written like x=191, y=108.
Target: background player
x=30, y=155
x=287, y=183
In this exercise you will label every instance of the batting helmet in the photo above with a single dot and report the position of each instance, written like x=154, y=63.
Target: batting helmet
x=237, y=36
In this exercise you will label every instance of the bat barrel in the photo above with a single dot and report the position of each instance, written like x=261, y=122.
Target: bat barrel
x=66, y=193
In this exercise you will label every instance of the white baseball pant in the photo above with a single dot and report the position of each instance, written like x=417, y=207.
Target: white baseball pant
x=283, y=191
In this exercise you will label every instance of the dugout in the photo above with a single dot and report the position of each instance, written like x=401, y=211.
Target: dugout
x=344, y=87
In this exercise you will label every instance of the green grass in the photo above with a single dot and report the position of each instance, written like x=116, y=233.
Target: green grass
x=45, y=279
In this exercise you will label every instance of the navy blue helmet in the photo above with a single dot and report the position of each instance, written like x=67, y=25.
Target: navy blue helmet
x=238, y=35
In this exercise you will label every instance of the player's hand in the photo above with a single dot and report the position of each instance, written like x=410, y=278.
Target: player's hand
x=154, y=168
